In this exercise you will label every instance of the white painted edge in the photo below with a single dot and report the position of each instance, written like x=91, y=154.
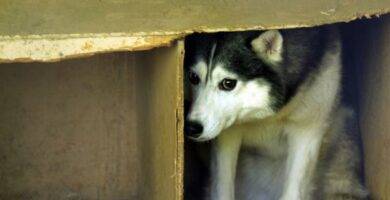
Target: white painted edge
x=47, y=49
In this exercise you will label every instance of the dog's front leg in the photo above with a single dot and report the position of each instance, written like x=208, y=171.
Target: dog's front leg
x=303, y=150
x=223, y=167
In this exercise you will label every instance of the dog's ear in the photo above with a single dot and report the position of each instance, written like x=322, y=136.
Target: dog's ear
x=268, y=46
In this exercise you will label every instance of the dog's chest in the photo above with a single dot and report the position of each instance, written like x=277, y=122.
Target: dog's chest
x=268, y=140
x=261, y=163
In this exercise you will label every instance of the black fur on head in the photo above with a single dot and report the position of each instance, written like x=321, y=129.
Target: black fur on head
x=302, y=50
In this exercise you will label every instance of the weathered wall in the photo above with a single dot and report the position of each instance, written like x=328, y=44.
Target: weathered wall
x=106, y=127
x=372, y=61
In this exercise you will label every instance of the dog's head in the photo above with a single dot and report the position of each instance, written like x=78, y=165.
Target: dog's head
x=232, y=78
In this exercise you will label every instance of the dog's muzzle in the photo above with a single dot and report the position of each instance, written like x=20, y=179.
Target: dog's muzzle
x=193, y=129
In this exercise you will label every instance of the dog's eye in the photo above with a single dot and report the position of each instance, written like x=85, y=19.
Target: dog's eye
x=227, y=84
x=194, y=78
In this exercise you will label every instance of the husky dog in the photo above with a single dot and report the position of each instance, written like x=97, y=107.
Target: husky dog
x=269, y=102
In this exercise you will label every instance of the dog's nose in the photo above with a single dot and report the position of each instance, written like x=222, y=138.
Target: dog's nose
x=193, y=129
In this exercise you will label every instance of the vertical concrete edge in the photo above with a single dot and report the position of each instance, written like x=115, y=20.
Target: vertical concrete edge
x=180, y=121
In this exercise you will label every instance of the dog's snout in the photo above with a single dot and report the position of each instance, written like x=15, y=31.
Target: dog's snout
x=193, y=129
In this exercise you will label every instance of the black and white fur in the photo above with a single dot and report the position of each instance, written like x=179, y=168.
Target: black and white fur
x=269, y=102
